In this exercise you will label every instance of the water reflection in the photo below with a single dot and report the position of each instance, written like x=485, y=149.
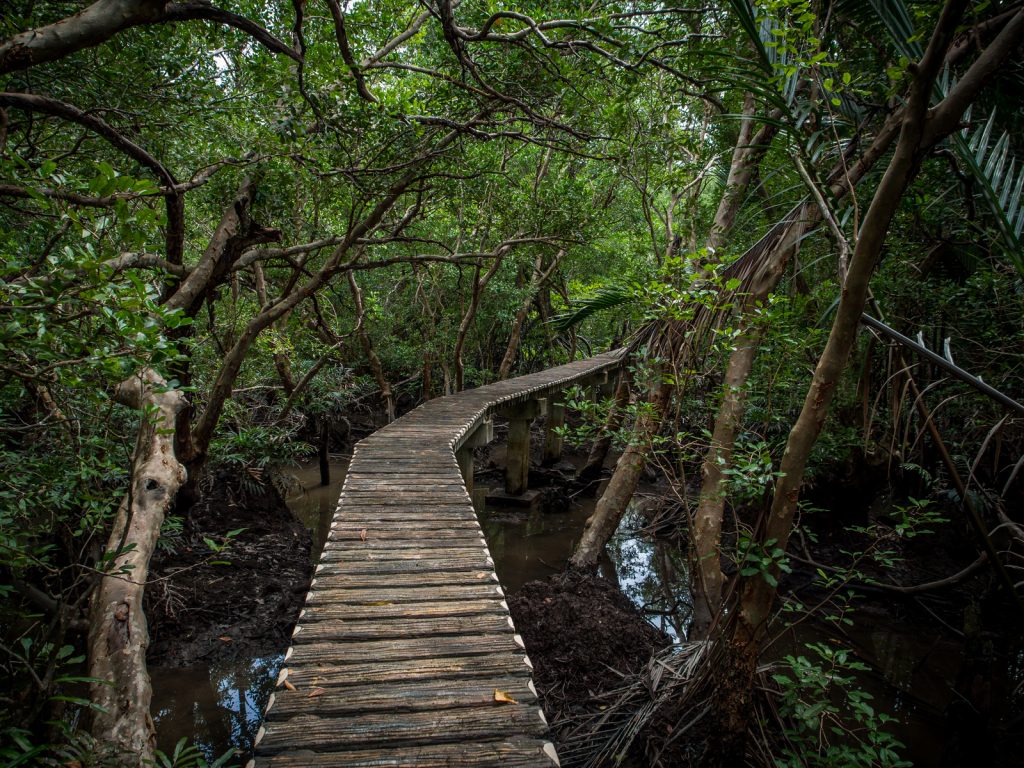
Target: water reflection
x=534, y=545
x=530, y=545
x=313, y=504
x=219, y=707
x=216, y=707
x=653, y=575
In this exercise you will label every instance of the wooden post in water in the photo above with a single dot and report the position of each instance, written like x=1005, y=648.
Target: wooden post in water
x=556, y=420
x=517, y=460
x=482, y=435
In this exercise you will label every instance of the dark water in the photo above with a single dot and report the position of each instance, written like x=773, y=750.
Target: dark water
x=219, y=707
x=911, y=671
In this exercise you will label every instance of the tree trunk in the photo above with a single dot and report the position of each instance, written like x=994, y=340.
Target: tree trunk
x=613, y=502
x=118, y=635
x=371, y=354
x=599, y=450
x=706, y=574
x=479, y=284
x=323, y=455
x=539, y=276
x=746, y=158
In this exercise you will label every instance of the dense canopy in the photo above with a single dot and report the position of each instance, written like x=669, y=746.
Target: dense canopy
x=226, y=227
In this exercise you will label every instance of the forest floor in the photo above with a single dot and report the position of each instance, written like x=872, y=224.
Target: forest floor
x=206, y=606
x=585, y=638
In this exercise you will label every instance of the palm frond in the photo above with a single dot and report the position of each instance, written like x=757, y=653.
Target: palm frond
x=604, y=299
x=896, y=19
x=999, y=179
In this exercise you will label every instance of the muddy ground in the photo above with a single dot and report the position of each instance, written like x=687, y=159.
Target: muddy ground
x=205, y=606
x=584, y=638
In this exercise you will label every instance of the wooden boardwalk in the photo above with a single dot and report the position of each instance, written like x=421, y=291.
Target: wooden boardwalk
x=406, y=637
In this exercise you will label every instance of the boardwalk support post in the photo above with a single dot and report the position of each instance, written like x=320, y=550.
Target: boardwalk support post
x=517, y=459
x=406, y=603
x=481, y=435
x=556, y=420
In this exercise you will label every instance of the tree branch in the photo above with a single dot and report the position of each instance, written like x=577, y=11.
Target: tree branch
x=105, y=18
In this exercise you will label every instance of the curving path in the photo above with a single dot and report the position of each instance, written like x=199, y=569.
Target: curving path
x=406, y=641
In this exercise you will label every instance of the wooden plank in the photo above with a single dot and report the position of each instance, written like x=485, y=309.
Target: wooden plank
x=469, y=555
x=400, y=516
x=336, y=590
x=455, y=668
x=379, y=541
x=405, y=498
x=511, y=753
x=419, y=696
x=379, y=537
x=383, y=611
x=333, y=576
x=401, y=534
x=384, y=652
x=406, y=485
x=446, y=726
x=413, y=566
x=472, y=631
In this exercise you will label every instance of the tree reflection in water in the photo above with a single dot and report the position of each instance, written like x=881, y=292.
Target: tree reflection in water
x=217, y=707
x=654, y=575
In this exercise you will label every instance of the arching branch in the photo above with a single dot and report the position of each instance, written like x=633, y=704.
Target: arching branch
x=175, y=201
x=105, y=18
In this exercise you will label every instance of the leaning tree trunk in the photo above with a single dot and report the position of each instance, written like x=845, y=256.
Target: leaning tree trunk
x=118, y=635
x=707, y=576
x=599, y=450
x=540, y=275
x=613, y=502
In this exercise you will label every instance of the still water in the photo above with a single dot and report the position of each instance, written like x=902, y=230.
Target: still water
x=219, y=706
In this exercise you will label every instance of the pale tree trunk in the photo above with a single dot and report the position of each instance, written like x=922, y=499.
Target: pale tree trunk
x=747, y=154
x=706, y=574
x=282, y=364
x=479, y=285
x=118, y=634
x=371, y=354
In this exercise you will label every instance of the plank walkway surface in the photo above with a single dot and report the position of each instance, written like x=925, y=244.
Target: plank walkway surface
x=406, y=635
